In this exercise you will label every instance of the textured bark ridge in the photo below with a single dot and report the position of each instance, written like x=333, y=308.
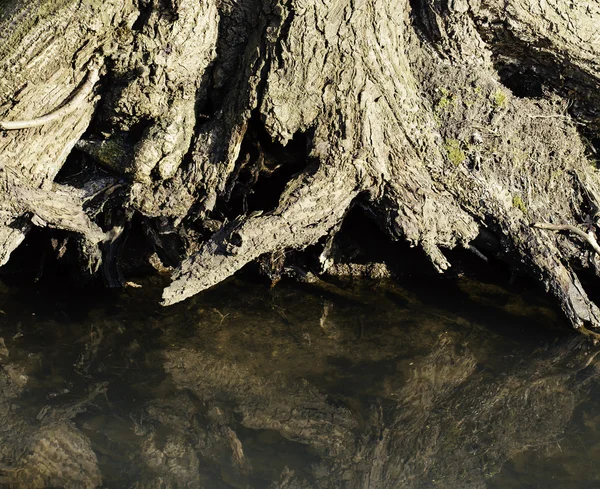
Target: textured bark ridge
x=240, y=130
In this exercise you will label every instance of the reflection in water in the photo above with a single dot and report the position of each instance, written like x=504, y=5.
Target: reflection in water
x=454, y=384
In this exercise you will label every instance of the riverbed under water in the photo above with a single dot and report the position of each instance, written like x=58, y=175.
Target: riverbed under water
x=449, y=383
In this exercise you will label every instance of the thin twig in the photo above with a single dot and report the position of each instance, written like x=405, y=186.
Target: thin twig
x=478, y=253
x=78, y=97
x=556, y=116
x=589, y=237
x=109, y=189
x=550, y=116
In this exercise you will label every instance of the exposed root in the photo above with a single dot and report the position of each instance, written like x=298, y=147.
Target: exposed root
x=59, y=208
x=573, y=299
x=309, y=208
x=77, y=99
x=12, y=235
x=591, y=335
x=589, y=237
x=399, y=101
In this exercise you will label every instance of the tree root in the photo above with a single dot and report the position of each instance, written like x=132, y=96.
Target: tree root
x=59, y=208
x=308, y=209
x=590, y=335
x=11, y=236
x=589, y=237
x=78, y=98
x=397, y=101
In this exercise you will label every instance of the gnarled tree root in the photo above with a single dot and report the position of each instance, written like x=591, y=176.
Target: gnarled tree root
x=398, y=102
x=311, y=206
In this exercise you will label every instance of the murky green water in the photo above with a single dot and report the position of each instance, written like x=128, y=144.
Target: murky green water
x=448, y=384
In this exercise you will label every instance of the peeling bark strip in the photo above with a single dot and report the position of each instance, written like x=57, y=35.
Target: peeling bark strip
x=246, y=129
x=74, y=103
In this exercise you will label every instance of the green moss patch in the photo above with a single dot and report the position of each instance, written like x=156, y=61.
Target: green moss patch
x=454, y=151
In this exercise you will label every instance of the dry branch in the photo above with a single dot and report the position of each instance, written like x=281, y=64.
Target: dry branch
x=589, y=236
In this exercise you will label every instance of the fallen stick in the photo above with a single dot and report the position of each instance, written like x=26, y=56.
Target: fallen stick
x=78, y=97
x=575, y=230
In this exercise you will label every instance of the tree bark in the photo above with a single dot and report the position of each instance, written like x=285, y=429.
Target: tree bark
x=445, y=119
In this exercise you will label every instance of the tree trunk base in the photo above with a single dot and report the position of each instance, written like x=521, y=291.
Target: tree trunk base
x=196, y=112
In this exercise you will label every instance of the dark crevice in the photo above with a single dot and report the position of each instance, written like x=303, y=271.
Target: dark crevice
x=589, y=282
x=125, y=255
x=594, y=148
x=237, y=29
x=523, y=81
x=533, y=70
x=162, y=239
x=423, y=19
x=47, y=257
x=28, y=259
x=207, y=105
x=361, y=241
x=284, y=31
x=55, y=258
x=145, y=7
x=77, y=168
x=263, y=170
x=121, y=132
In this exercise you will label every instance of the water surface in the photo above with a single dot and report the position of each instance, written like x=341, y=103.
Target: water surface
x=439, y=384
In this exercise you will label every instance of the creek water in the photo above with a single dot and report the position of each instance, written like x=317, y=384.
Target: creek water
x=451, y=383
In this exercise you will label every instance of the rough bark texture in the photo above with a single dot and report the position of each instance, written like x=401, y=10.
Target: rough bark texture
x=404, y=108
